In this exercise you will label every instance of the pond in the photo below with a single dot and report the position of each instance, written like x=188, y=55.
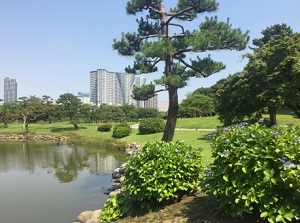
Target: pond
x=46, y=182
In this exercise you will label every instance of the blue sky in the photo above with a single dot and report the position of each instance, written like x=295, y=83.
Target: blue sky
x=50, y=46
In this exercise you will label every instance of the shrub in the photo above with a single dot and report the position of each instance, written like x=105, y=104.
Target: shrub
x=115, y=207
x=121, y=130
x=161, y=172
x=106, y=127
x=151, y=125
x=256, y=169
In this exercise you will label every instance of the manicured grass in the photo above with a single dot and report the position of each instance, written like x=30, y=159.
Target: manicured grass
x=195, y=138
x=199, y=123
x=88, y=131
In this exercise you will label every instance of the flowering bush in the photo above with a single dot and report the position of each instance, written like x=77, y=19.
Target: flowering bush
x=256, y=169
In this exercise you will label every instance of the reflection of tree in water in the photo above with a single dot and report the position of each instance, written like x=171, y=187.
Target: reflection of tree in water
x=67, y=164
x=63, y=162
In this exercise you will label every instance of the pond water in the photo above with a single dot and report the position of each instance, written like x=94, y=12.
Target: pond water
x=46, y=182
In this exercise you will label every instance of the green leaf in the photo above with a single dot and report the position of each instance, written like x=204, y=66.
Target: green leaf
x=264, y=214
x=244, y=169
x=225, y=178
x=289, y=215
x=279, y=218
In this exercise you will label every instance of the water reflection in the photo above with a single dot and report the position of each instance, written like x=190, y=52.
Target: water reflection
x=60, y=160
x=49, y=183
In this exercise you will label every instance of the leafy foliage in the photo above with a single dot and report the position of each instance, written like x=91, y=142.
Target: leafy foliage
x=147, y=113
x=151, y=125
x=115, y=207
x=256, y=169
x=106, y=127
x=121, y=130
x=8, y=113
x=68, y=105
x=269, y=81
x=162, y=172
x=196, y=105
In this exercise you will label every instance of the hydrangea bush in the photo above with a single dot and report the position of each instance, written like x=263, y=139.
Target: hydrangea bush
x=160, y=173
x=163, y=171
x=256, y=169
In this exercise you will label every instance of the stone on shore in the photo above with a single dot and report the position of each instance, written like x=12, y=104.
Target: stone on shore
x=89, y=217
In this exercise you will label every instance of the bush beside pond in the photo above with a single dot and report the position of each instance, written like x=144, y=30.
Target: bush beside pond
x=256, y=169
x=160, y=173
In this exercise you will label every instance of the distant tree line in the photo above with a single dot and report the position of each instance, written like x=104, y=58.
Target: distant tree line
x=68, y=107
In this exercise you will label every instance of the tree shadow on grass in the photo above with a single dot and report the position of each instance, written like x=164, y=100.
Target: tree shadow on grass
x=201, y=209
x=207, y=137
x=66, y=129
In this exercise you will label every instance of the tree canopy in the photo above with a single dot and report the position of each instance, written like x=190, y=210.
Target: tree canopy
x=70, y=106
x=270, y=80
x=162, y=38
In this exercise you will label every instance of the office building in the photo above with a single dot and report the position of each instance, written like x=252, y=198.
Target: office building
x=113, y=88
x=10, y=90
x=140, y=81
x=151, y=102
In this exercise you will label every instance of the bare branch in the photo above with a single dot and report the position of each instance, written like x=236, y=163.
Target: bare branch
x=175, y=15
x=175, y=24
x=140, y=39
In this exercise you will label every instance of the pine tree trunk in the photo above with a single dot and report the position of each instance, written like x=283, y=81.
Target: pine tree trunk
x=25, y=127
x=172, y=115
x=295, y=108
x=272, y=115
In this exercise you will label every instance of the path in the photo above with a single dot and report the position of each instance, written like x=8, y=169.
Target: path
x=136, y=126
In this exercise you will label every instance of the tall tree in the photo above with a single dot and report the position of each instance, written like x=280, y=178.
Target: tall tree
x=270, y=80
x=275, y=62
x=161, y=37
x=70, y=106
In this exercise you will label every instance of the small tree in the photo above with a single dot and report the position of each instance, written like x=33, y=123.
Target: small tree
x=8, y=113
x=31, y=109
x=196, y=105
x=70, y=106
x=155, y=42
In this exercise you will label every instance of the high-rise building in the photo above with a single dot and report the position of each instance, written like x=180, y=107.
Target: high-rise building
x=139, y=82
x=10, y=90
x=151, y=102
x=111, y=88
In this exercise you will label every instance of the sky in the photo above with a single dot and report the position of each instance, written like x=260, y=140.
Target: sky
x=50, y=46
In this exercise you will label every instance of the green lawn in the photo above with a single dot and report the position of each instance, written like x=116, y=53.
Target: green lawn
x=193, y=136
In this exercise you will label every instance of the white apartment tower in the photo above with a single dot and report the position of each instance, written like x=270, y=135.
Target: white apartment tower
x=111, y=88
x=10, y=90
x=140, y=81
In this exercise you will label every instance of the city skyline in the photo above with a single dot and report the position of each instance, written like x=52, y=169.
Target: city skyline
x=115, y=88
x=50, y=50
